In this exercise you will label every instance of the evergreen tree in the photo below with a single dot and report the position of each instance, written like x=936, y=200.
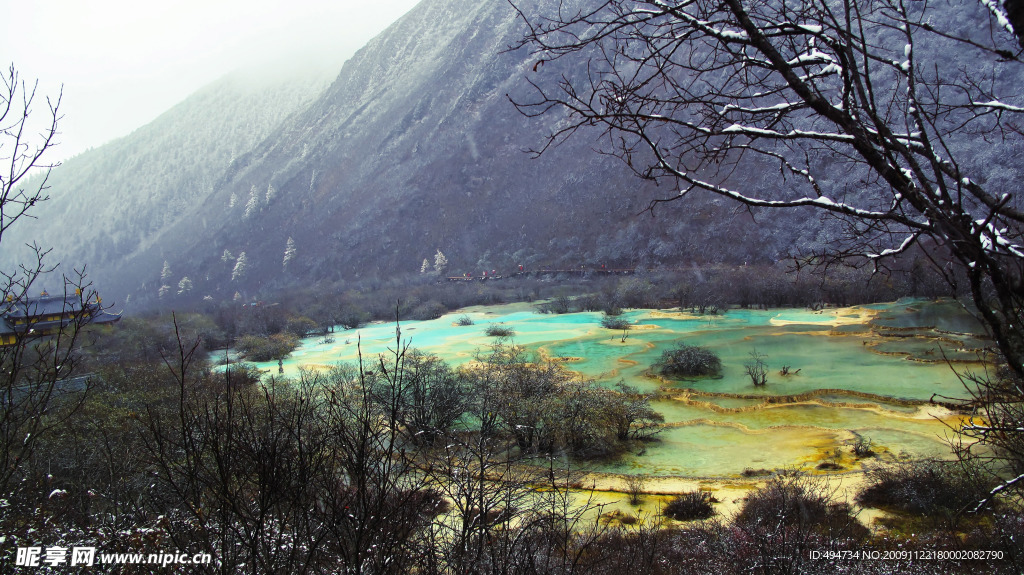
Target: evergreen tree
x=425, y=267
x=253, y=205
x=184, y=286
x=241, y=266
x=289, y=251
x=440, y=262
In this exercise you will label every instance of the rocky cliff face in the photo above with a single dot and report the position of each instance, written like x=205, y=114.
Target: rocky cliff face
x=414, y=147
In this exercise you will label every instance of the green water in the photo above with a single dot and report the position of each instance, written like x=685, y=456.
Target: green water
x=707, y=450
x=947, y=316
x=865, y=371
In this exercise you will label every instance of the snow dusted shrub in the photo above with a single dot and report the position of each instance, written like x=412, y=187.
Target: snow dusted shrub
x=779, y=523
x=1005, y=533
x=922, y=487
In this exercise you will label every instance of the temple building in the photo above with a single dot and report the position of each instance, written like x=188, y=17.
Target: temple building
x=46, y=315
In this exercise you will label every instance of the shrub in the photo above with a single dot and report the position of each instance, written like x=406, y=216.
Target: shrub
x=240, y=375
x=784, y=519
x=628, y=519
x=922, y=487
x=616, y=323
x=430, y=310
x=863, y=447
x=794, y=501
x=351, y=317
x=465, y=320
x=688, y=361
x=499, y=330
x=559, y=304
x=636, y=292
x=787, y=500
x=301, y=326
x=635, y=488
x=611, y=309
x=690, y=506
x=258, y=348
x=1003, y=532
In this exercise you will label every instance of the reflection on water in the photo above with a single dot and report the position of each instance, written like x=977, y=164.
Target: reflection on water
x=867, y=371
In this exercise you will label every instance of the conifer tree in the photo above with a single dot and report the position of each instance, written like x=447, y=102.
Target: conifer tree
x=440, y=262
x=241, y=266
x=289, y=251
x=253, y=205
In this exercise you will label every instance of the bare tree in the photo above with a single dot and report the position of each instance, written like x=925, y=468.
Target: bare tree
x=899, y=119
x=490, y=492
x=433, y=399
x=757, y=369
x=309, y=476
x=36, y=365
x=992, y=438
x=635, y=485
x=24, y=140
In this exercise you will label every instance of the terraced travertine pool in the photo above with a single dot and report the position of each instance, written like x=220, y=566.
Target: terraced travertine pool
x=866, y=371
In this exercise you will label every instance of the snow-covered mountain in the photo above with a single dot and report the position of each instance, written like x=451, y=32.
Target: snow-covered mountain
x=414, y=147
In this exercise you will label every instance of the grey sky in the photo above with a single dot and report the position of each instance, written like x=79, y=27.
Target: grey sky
x=124, y=62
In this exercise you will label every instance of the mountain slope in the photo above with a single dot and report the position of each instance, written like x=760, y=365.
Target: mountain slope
x=110, y=202
x=413, y=148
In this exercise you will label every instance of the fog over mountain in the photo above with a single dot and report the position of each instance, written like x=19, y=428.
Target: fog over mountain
x=413, y=147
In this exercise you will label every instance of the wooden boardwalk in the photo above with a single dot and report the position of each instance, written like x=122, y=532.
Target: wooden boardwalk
x=543, y=272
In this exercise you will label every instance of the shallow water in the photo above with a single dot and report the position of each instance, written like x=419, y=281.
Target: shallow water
x=856, y=372
x=708, y=450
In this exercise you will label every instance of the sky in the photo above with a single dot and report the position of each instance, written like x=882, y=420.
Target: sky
x=124, y=62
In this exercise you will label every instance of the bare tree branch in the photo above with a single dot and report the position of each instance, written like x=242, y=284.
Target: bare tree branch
x=886, y=115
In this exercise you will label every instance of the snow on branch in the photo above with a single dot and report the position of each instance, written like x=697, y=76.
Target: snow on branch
x=822, y=202
x=909, y=241
x=998, y=11
x=999, y=489
x=992, y=239
x=810, y=58
x=722, y=34
x=781, y=107
x=995, y=105
x=788, y=28
x=791, y=135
